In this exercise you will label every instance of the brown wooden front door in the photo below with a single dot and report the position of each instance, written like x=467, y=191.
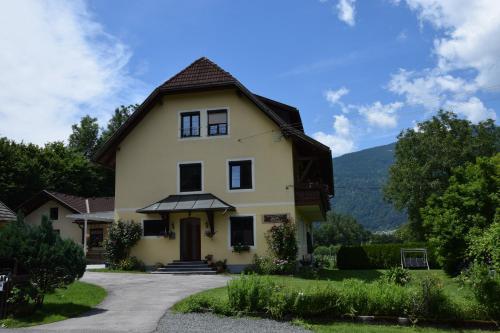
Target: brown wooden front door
x=190, y=239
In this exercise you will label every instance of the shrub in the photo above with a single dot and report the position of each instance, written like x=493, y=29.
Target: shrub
x=323, y=262
x=397, y=275
x=485, y=285
x=282, y=242
x=250, y=293
x=262, y=265
x=49, y=261
x=204, y=303
x=253, y=294
x=323, y=250
x=131, y=264
x=428, y=300
x=122, y=237
x=376, y=255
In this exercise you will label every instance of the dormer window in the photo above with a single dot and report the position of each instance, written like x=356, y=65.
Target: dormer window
x=190, y=124
x=217, y=122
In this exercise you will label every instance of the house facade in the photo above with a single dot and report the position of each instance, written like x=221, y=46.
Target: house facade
x=205, y=165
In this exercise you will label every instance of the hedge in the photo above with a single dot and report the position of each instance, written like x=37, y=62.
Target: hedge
x=377, y=256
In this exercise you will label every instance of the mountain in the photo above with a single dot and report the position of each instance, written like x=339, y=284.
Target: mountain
x=359, y=178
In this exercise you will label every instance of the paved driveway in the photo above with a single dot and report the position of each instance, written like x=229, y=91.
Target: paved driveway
x=135, y=302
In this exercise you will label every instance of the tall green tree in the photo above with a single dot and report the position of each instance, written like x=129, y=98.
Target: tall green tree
x=464, y=212
x=85, y=136
x=120, y=116
x=26, y=169
x=426, y=157
x=340, y=229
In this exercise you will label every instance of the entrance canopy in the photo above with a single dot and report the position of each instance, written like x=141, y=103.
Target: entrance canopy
x=187, y=203
x=96, y=216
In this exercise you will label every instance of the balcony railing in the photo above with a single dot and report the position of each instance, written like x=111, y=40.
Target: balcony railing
x=312, y=194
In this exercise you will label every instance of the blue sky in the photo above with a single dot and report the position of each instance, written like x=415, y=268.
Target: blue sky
x=359, y=71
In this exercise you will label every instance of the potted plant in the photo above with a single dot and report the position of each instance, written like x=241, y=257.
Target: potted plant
x=209, y=233
x=240, y=248
x=210, y=259
x=221, y=266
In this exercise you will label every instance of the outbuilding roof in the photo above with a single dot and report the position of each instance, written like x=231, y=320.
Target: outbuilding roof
x=187, y=203
x=74, y=203
x=5, y=213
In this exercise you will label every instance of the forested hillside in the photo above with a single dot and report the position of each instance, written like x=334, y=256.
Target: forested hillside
x=359, y=178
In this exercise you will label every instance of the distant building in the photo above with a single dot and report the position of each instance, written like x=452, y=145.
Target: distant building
x=6, y=215
x=68, y=213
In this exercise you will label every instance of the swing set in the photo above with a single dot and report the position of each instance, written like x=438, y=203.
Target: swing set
x=414, y=258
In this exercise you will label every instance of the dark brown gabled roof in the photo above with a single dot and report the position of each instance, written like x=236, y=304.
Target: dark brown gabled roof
x=5, y=213
x=202, y=72
x=74, y=203
x=201, y=75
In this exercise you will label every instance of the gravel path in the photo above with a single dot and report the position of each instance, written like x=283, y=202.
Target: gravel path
x=208, y=323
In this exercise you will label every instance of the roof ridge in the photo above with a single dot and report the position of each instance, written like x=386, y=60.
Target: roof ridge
x=191, y=65
x=182, y=71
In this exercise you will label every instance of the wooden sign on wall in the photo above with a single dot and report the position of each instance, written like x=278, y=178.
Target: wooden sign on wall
x=275, y=218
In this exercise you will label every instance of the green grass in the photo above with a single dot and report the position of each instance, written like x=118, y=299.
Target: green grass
x=204, y=301
x=109, y=270
x=78, y=298
x=451, y=287
x=340, y=327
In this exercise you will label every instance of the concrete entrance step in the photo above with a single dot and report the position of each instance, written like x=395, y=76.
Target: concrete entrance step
x=185, y=272
x=186, y=267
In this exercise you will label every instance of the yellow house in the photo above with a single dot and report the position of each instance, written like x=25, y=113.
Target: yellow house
x=205, y=165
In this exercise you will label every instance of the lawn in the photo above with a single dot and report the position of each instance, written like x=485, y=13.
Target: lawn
x=219, y=297
x=340, y=327
x=78, y=298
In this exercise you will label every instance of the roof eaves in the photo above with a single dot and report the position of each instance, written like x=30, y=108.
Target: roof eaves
x=55, y=197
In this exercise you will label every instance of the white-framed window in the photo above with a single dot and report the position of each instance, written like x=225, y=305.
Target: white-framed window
x=154, y=228
x=217, y=122
x=204, y=123
x=242, y=230
x=190, y=177
x=190, y=124
x=54, y=213
x=241, y=174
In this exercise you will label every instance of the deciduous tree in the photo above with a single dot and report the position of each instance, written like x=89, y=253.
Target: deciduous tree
x=426, y=156
x=464, y=212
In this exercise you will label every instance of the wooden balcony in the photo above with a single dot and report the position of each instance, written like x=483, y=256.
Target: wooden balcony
x=313, y=195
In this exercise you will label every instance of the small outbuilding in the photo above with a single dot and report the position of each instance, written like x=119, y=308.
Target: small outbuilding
x=6, y=214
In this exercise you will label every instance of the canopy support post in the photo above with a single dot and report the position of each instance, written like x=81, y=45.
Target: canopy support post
x=166, y=217
x=210, y=216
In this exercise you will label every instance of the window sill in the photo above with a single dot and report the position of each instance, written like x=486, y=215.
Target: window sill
x=195, y=192
x=241, y=190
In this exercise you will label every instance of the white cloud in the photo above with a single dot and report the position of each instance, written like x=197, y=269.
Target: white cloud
x=381, y=115
x=429, y=88
x=471, y=35
x=57, y=63
x=472, y=109
x=346, y=11
x=469, y=42
x=333, y=96
x=340, y=141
